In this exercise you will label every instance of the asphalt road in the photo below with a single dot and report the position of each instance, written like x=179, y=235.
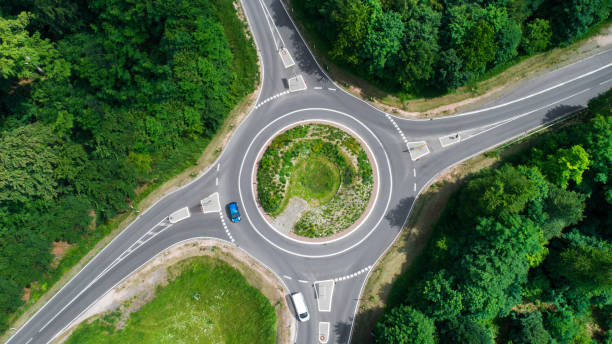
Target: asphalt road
x=348, y=260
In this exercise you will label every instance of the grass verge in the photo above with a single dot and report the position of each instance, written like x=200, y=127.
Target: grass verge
x=493, y=84
x=195, y=156
x=208, y=301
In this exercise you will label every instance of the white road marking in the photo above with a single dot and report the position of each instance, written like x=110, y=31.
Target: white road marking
x=324, y=291
x=352, y=275
x=414, y=187
x=417, y=149
x=272, y=21
x=112, y=265
x=317, y=87
x=29, y=340
x=414, y=172
x=498, y=124
x=218, y=167
x=331, y=89
x=533, y=94
x=269, y=24
x=605, y=82
x=287, y=277
x=217, y=181
x=227, y=231
x=302, y=281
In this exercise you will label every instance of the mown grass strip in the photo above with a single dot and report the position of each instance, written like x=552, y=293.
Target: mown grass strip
x=208, y=302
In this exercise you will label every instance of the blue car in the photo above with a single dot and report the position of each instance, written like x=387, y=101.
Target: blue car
x=233, y=212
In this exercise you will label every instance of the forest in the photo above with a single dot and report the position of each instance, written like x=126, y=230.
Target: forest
x=427, y=47
x=99, y=99
x=523, y=251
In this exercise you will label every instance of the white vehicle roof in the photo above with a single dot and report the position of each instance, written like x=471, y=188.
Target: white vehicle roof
x=300, y=306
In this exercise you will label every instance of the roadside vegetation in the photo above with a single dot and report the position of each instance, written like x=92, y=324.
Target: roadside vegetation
x=416, y=49
x=208, y=301
x=100, y=103
x=323, y=165
x=523, y=251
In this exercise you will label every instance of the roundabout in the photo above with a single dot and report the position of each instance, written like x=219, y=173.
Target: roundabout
x=345, y=257
x=361, y=226
x=314, y=181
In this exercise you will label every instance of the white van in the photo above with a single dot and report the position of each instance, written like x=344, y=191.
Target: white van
x=300, y=306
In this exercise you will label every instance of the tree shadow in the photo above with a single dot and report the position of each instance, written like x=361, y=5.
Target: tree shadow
x=342, y=331
x=560, y=111
x=302, y=56
x=398, y=215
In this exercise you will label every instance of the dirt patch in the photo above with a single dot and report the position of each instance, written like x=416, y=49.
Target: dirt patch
x=139, y=288
x=26, y=294
x=59, y=250
x=293, y=211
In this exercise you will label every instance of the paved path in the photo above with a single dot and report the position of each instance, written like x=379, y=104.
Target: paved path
x=409, y=153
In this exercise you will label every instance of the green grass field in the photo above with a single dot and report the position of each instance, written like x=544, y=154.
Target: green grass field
x=315, y=179
x=209, y=302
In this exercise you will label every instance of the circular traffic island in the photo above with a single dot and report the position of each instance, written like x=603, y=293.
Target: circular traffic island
x=314, y=181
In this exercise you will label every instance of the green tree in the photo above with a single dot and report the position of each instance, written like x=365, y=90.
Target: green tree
x=598, y=140
x=478, y=50
x=494, y=265
x=419, y=48
x=450, y=74
x=463, y=330
x=507, y=33
x=405, y=325
x=536, y=37
x=493, y=192
x=28, y=159
x=382, y=42
x=527, y=328
x=573, y=17
x=587, y=265
x=25, y=56
x=352, y=18
x=566, y=165
x=437, y=298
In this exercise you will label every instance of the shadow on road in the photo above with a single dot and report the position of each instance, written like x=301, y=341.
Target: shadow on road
x=342, y=331
x=303, y=58
x=560, y=111
x=398, y=215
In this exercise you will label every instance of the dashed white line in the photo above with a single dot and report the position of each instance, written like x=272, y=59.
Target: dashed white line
x=287, y=277
x=217, y=181
x=218, y=167
x=414, y=172
x=29, y=340
x=353, y=275
x=414, y=186
x=112, y=265
x=270, y=98
x=331, y=89
x=229, y=234
x=318, y=87
x=605, y=82
x=302, y=281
